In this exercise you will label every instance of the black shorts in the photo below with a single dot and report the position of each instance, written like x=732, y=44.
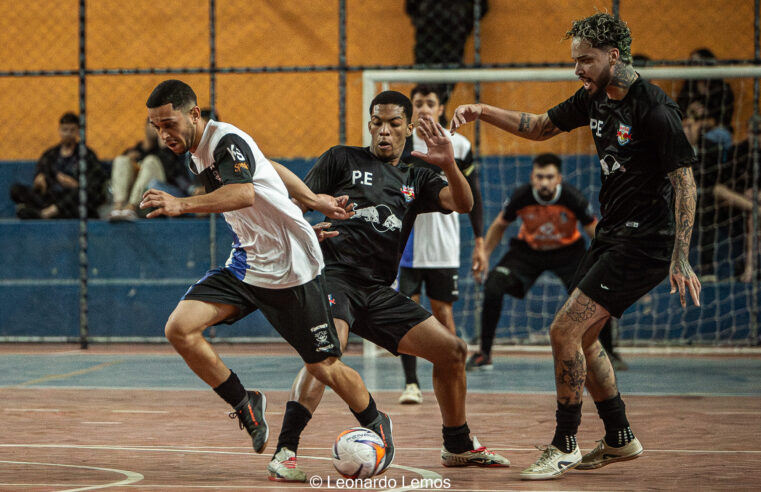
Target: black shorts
x=616, y=275
x=375, y=312
x=440, y=283
x=300, y=314
x=525, y=264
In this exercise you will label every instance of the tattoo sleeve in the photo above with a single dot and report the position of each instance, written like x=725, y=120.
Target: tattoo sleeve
x=685, y=200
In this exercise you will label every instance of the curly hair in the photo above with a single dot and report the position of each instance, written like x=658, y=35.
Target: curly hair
x=602, y=29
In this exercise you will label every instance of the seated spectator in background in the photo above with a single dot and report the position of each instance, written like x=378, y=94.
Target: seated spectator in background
x=715, y=95
x=55, y=190
x=149, y=164
x=734, y=190
x=711, y=143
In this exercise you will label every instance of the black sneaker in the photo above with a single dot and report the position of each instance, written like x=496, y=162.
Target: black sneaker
x=250, y=414
x=479, y=362
x=382, y=426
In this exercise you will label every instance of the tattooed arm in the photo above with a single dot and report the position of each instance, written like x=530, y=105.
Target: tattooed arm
x=526, y=125
x=681, y=275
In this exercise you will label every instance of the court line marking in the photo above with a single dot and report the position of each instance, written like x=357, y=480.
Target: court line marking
x=32, y=410
x=140, y=411
x=425, y=474
x=132, y=477
x=53, y=377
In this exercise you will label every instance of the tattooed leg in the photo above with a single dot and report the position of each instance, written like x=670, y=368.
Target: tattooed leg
x=579, y=315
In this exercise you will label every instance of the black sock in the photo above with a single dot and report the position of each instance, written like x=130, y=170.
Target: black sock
x=613, y=415
x=366, y=416
x=568, y=418
x=296, y=417
x=409, y=363
x=232, y=391
x=457, y=439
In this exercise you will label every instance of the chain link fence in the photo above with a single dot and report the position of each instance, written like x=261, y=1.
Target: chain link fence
x=289, y=73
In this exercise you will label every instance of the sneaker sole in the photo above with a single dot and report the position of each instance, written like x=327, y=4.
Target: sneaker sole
x=411, y=401
x=275, y=478
x=595, y=466
x=266, y=426
x=479, y=465
x=560, y=473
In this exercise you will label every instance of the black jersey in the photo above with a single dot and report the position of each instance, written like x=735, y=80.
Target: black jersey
x=388, y=198
x=548, y=224
x=639, y=140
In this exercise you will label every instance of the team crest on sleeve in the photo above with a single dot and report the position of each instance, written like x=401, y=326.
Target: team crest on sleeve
x=408, y=192
x=624, y=134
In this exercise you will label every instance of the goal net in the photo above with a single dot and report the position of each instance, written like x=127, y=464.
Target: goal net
x=729, y=312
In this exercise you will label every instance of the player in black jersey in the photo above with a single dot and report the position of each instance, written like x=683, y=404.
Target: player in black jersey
x=643, y=235
x=361, y=263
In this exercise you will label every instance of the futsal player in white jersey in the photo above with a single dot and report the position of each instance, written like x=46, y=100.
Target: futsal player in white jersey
x=275, y=264
x=432, y=254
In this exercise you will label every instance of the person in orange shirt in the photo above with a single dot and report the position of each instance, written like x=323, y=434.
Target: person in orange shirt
x=549, y=239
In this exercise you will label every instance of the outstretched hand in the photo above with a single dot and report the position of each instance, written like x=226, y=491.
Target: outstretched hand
x=480, y=262
x=440, y=151
x=334, y=207
x=162, y=202
x=322, y=234
x=682, y=278
x=464, y=114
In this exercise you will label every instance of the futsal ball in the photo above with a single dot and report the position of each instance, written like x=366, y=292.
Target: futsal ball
x=358, y=453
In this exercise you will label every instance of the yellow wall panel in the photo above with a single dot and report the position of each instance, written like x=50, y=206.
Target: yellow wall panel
x=39, y=35
x=143, y=34
x=32, y=107
x=287, y=33
x=288, y=115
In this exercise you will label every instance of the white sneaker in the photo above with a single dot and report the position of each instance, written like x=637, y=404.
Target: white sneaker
x=604, y=455
x=479, y=456
x=284, y=468
x=552, y=464
x=411, y=394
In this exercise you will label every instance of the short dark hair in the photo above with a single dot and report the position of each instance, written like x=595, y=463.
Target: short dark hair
x=393, y=97
x=176, y=92
x=548, y=159
x=602, y=29
x=424, y=90
x=68, y=119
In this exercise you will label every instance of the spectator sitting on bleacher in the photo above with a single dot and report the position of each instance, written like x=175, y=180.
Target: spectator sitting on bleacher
x=734, y=190
x=716, y=98
x=55, y=190
x=149, y=164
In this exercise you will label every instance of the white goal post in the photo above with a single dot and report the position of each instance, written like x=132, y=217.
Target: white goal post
x=374, y=81
x=371, y=78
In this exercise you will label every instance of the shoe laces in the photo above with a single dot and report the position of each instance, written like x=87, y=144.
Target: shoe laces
x=234, y=415
x=546, y=456
x=290, y=462
x=483, y=450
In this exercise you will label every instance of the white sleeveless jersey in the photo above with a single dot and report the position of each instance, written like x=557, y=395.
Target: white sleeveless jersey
x=435, y=238
x=273, y=245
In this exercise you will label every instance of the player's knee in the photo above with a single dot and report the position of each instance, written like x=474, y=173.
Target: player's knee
x=458, y=351
x=320, y=370
x=174, y=332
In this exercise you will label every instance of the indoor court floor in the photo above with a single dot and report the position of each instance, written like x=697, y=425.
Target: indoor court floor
x=134, y=417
